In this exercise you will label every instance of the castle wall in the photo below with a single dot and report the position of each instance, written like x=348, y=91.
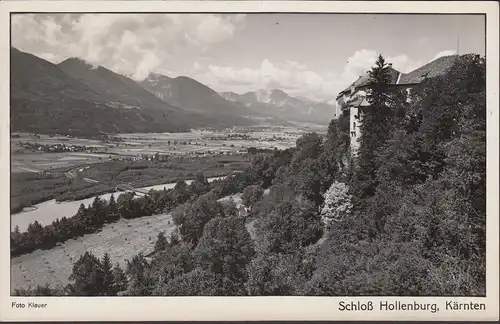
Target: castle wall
x=354, y=129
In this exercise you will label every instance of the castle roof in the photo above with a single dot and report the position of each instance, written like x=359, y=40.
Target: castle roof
x=430, y=70
x=365, y=79
x=437, y=67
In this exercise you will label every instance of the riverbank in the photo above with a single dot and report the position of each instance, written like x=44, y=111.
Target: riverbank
x=66, y=184
x=122, y=240
x=47, y=212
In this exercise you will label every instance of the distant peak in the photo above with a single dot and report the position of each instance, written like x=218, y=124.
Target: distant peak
x=153, y=77
x=78, y=62
x=230, y=93
x=75, y=60
x=185, y=78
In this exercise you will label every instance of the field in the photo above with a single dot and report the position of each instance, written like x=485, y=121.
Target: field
x=26, y=161
x=122, y=240
x=135, y=145
x=38, y=175
x=69, y=183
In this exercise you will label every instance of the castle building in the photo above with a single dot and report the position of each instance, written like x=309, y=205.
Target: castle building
x=355, y=96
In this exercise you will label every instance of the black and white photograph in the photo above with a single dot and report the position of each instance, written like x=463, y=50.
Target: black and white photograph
x=248, y=154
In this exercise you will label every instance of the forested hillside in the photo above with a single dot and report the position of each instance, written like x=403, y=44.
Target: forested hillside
x=406, y=217
x=74, y=98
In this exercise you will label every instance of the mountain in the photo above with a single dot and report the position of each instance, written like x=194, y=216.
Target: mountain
x=44, y=99
x=278, y=103
x=78, y=99
x=192, y=95
x=124, y=92
x=115, y=88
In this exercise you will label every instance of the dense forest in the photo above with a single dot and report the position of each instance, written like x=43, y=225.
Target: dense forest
x=406, y=216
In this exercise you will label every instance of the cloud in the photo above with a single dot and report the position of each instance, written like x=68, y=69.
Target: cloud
x=444, y=53
x=296, y=78
x=362, y=60
x=125, y=43
x=178, y=44
x=290, y=76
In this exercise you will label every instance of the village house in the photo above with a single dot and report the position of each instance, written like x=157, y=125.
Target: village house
x=354, y=96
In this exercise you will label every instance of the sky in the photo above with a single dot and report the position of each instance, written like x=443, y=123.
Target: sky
x=311, y=55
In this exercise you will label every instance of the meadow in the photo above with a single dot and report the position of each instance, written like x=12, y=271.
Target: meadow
x=122, y=240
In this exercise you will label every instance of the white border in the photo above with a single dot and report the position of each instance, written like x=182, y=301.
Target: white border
x=249, y=308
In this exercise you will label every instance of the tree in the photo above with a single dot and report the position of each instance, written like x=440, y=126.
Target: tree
x=337, y=203
x=174, y=239
x=424, y=223
x=35, y=234
x=273, y=274
x=119, y=279
x=174, y=261
x=126, y=205
x=291, y=224
x=229, y=208
x=107, y=273
x=137, y=271
x=225, y=248
x=309, y=146
x=191, y=218
x=39, y=290
x=252, y=150
x=87, y=276
x=199, y=186
x=261, y=171
x=198, y=282
x=181, y=193
x=161, y=242
x=251, y=195
x=112, y=210
x=376, y=127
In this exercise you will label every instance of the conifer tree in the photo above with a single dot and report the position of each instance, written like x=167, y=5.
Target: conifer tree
x=119, y=279
x=112, y=213
x=107, y=284
x=87, y=276
x=375, y=127
x=161, y=242
x=81, y=211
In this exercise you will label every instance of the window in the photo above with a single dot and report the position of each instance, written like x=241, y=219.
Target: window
x=353, y=134
x=354, y=125
x=408, y=95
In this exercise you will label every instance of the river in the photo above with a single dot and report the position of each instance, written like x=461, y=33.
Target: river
x=48, y=211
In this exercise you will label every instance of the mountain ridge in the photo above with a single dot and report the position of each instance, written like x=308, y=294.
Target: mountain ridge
x=278, y=103
x=79, y=99
x=191, y=94
x=44, y=99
